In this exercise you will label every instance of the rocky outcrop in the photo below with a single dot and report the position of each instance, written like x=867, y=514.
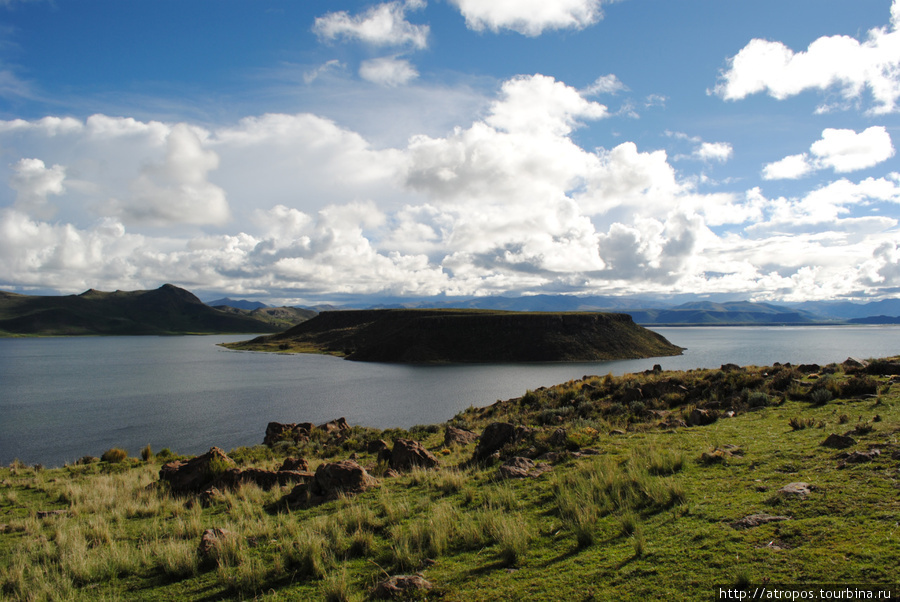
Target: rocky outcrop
x=330, y=481
x=294, y=464
x=291, y=432
x=700, y=417
x=836, y=441
x=334, y=426
x=197, y=474
x=408, y=453
x=520, y=468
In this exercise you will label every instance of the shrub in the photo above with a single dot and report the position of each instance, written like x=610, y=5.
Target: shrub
x=820, y=397
x=859, y=386
x=798, y=424
x=114, y=455
x=758, y=399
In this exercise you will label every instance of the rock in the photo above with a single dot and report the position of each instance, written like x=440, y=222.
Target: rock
x=456, y=436
x=515, y=468
x=378, y=446
x=340, y=424
x=197, y=474
x=852, y=362
x=729, y=367
x=755, y=520
x=519, y=468
x=859, y=457
x=267, y=479
x=799, y=489
x=808, y=368
x=49, y=513
x=408, y=453
x=401, y=585
x=616, y=432
x=836, y=441
x=295, y=433
x=210, y=540
x=87, y=460
x=700, y=417
x=330, y=481
x=495, y=436
x=295, y=464
x=558, y=438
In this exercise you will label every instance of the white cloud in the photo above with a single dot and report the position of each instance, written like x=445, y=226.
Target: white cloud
x=382, y=25
x=176, y=191
x=332, y=65
x=529, y=17
x=842, y=150
x=605, y=84
x=34, y=182
x=714, y=151
x=838, y=62
x=845, y=150
x=791, y=167
x=388, y=71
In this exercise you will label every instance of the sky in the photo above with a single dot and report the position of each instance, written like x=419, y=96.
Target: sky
x=300, y=152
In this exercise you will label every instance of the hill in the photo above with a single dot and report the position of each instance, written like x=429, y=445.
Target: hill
x=238, y=303
x=280, y=318
x=166, y=310
x=421, y=335
x=731, y=313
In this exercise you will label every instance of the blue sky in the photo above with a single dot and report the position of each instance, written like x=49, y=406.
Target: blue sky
x=304, y=151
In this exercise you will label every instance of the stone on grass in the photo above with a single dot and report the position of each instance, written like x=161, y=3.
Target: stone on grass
x=210, y=540
x=798, y=490
x=408, y=453
x=330, y=481
x=401, y=585
x=836, y=441
x=456, y=436
x=755, y=520
x=197, y=474
x=295, y=464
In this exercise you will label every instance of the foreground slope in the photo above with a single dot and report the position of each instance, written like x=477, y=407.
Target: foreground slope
x=166, y=310
x=651, y=486
x=420, y=335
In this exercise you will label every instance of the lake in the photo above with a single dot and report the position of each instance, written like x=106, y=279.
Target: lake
x=62, y=398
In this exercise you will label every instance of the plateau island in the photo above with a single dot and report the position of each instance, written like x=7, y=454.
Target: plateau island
x=464, y=335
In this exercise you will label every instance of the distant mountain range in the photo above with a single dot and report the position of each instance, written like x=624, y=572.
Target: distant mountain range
x=166, y=310
x=237, y=303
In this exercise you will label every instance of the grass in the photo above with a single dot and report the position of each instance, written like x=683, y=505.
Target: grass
x=647, y=516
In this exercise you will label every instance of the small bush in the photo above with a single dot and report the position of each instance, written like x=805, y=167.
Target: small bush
x=820, y=397
x=798, y=424
x=758, y=399
x=114, y=455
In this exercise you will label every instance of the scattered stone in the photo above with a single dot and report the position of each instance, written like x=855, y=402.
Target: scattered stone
x=859, y=457
x=330, y=481
x=755, y=520
x=401, y=585
x=210, y=540
x=197, y=474
x=519, y=468
x=558, y=438
x=587, y=451
x=799, y=490
x=295, y=464
x=808, y=368
x=457, y=436
x=49, y=513
x=377, y=447
x=408, y=453
x=700, y=417
x=87, y=460
x=836, y=441
x=616, y=432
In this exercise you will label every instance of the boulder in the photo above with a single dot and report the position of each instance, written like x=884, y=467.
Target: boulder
x=519, y=468
x=836, y=441
x=408, y=453
x=197, y=474
x=294, y=464
x=495, y=436
x=456, y=436
x=331, y=480
x=377, y=447
x=700, y=417
x=210, y=540
x=401, y=585
x=337, y=425
x=859, y=457
x=798, y=490
x=295, y=433
x=755, y=520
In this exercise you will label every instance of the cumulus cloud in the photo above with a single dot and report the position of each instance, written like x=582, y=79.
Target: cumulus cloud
x=605, y=84
x=388, y=71
x=841, y=150
x=529, y=17
x=176, y=191
x=839, y=62
x=34, y=182
x=382, y=25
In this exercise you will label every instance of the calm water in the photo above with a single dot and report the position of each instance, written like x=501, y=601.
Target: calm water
x=66, y=397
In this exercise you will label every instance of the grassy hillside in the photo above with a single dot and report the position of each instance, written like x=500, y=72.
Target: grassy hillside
x=435, y=335
x=626, y=501
x=166, y=310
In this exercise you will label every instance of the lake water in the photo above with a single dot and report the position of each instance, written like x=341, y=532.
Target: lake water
x=62, y=398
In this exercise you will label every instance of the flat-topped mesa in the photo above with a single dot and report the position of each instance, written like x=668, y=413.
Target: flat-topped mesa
x=462, y=335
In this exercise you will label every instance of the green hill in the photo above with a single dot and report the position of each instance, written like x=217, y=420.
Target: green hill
x=166, y=310
x=421, y=335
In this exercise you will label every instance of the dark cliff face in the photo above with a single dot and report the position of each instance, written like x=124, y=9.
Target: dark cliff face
x=413, y=336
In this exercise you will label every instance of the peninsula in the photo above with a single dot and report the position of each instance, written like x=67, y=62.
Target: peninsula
x=462, y=335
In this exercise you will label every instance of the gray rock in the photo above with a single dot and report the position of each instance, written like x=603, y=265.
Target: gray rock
x=836, y=441
x=755, y=520
x=401, y=585
x=408, y=453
